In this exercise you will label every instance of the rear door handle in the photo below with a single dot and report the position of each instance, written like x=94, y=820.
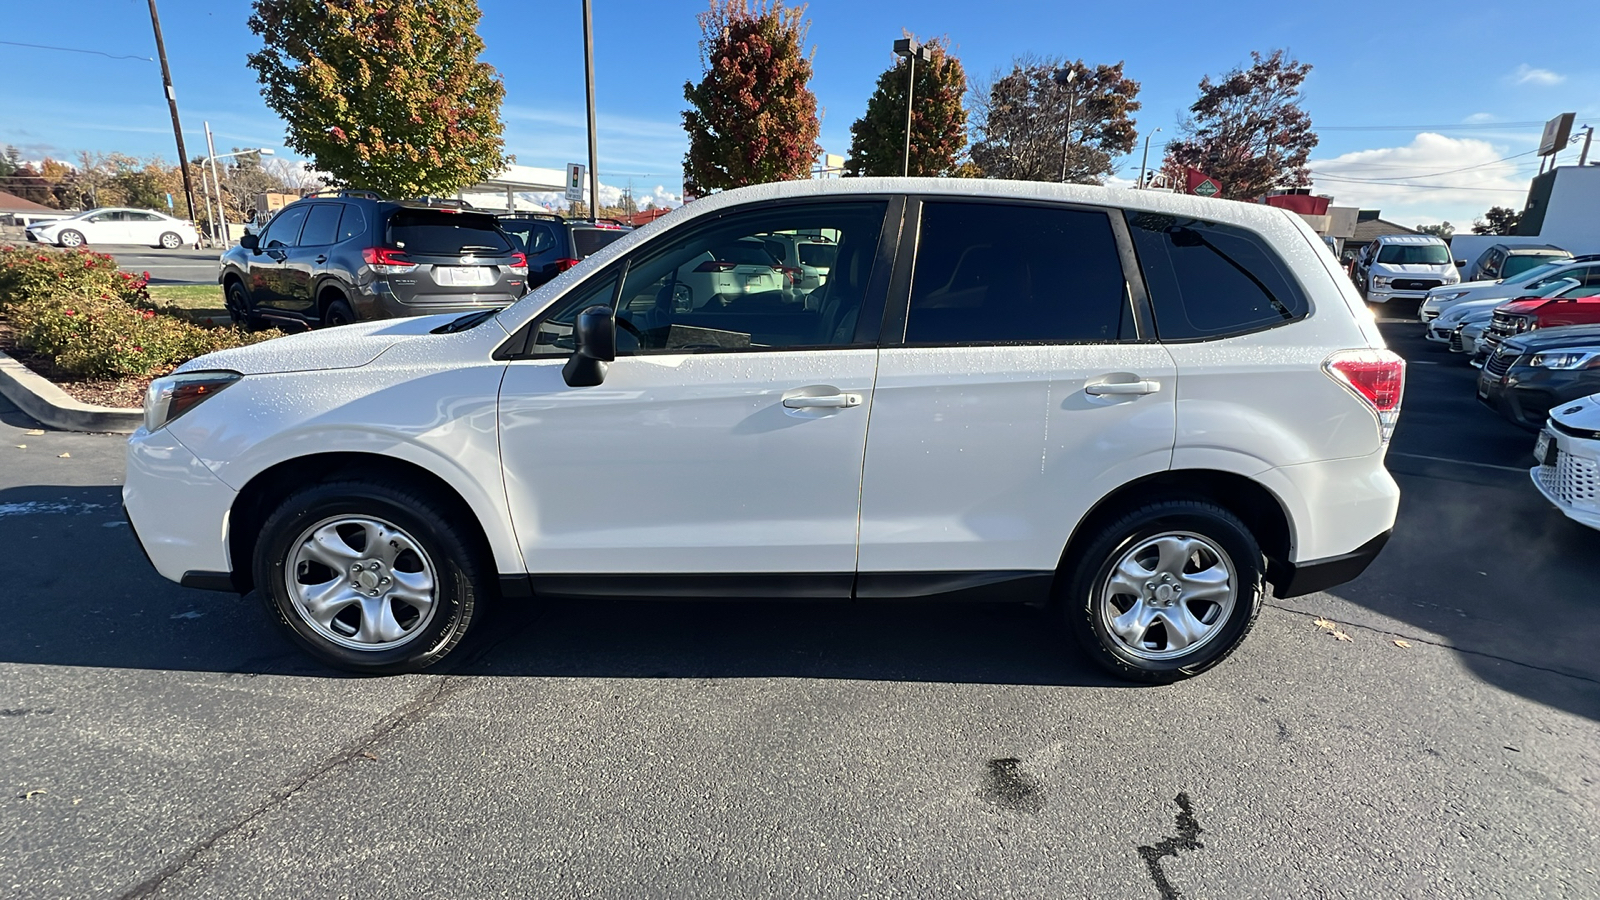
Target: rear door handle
x=832, y=401
x=1123, y=388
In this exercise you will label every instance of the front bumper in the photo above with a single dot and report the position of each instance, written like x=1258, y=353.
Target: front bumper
x=1525, y=395
x=1570, y=484
x=1385, y=295
x=178, y=510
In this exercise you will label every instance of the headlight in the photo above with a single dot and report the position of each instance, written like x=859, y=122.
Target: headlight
x=1381, y=280
x=1453, y=295
x=174, y=395
x=1566, y=359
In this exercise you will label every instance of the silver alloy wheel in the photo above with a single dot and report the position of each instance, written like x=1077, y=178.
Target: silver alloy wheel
x=1168, y=595
x=71, y=239
x=171, y=241
x=362, y=583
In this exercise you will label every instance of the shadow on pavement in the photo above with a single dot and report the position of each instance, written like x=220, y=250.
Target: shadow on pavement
x=82, y=595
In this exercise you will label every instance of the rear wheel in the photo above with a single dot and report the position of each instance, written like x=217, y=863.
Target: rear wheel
x=338, y=313
x=1169, y=590
x=370, y=577
x=70, y=238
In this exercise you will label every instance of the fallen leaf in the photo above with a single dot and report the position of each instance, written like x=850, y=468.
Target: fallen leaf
x=366, y=754
x=65, y=456
x=32, y=794
x=1342, y=636
x=34, y=432
x=1324, y=623
x=22, y=446
x=1401, y=643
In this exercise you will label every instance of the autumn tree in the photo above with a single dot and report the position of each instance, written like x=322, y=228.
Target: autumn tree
x=1498, y=220
x=1442, y=230
x=752, y=117
x=1248, y=130
x=383, y=95
x=1022, y=121
x=938, y=119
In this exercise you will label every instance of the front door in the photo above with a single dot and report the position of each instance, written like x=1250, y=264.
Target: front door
x=1023, y=391
x=269, y=290
x=727, y=438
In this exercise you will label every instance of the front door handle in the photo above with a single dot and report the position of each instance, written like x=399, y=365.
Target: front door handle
x=832, y=401
x=1123, y=388
x=322, y=259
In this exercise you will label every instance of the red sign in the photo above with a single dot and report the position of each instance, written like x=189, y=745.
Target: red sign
x=1198, y=182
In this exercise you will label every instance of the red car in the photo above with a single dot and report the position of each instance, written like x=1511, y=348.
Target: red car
x=1576, y=305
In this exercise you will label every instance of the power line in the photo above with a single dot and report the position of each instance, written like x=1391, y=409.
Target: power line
x=1426, y=187
x=76, y=50
x=1383, y=178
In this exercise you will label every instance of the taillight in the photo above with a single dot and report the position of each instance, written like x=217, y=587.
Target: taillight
x=794, y=274
x=715, y=265
x=1376, y=376
x=387, y=260
x=519, y=264
x=564, y=264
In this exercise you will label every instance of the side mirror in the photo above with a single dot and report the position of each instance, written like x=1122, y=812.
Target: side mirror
x=1461, y=264
x=596, y=335
x=250, y=242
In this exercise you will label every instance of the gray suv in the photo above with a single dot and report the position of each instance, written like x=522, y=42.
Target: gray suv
x=337, y=258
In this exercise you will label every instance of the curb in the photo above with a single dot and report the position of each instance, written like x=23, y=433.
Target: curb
x=55, y=408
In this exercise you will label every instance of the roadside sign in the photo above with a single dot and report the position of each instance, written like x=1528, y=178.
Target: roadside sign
x=1206, y=188
x=1557, y=132
x=169, y=201
x=575, y=174
x=1200, y=184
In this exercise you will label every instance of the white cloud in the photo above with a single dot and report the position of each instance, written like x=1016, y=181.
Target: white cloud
x=1434, y=178
x=1478, y=118
x=610, y=195
x=1526, y=74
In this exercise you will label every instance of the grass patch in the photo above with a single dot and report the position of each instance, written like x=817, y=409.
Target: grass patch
x=188, y=296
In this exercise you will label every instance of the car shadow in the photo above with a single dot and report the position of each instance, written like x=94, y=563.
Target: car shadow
x=83, y=595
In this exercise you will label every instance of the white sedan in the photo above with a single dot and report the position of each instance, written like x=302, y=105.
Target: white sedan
x=116, y=226
x=1568, y=453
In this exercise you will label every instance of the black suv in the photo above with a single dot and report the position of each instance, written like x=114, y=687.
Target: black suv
x=554, y=244
x=331, y=259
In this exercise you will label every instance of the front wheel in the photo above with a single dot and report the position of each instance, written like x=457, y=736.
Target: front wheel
x=171, y=241
x=369, y=577
x=1169, y=590
x=237, y=300
x=70, y=238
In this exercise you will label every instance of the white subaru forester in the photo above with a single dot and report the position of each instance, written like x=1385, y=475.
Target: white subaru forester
x=1140, y=408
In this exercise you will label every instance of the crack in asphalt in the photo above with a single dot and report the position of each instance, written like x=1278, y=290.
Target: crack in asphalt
x=444, y=688
x=1433, y=643
x=1186, y=839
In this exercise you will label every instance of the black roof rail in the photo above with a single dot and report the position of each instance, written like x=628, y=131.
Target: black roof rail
x=531, y=214
x=1587, y=257
x=441, y=202
x=344, y=192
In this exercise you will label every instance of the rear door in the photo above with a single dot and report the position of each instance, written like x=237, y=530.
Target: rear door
x=308, y=259
x=1017, y=387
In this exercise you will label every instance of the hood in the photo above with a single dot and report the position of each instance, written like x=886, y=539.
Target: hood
x=1468, y=308
x=1579, y=415
x=1465, y=286
x=345, y=347
x=1557, y=338
x=1413, y=268
x=1524, y=306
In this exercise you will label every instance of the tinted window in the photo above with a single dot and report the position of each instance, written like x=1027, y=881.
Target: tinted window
x=438, y=233
x=322, y=225
x=531, y=238
x=717, y=288
x=1517, y=265
x=352, y=224
x=587, y=241
x=1414, y=254
x=993, y=274
x=818, y=255
x=285, y=228
x=1211, y=280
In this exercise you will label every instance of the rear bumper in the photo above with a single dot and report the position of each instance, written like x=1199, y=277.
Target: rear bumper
x=1296, y=579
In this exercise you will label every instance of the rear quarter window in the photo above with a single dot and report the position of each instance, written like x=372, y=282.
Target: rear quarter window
x=1208, y=280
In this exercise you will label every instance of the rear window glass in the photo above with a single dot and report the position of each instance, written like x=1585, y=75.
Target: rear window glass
x=819, y=255
x=1414, y=254
x=435, y=232
x=586, y=241
x=744, y=253
x=1208, y=280
x=1517, y=265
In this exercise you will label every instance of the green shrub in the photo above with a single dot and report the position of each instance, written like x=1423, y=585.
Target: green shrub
x=95, y=321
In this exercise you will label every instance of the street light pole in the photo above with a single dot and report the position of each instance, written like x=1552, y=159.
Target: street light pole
x=172, y=104
x=216, y=182
x=588, y=80
x=1145, y=162
x=1067, y=78
x=912, y=51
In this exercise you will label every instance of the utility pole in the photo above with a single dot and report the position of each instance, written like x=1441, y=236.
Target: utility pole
x=172, y=103
x=222, y=213
x=588, y=80
x=1588, y=138
x=912, y=51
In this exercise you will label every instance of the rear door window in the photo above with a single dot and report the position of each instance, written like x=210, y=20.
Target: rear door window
x=1208, y=280
x=429, y=232
x=996, y=274
x=588, y=241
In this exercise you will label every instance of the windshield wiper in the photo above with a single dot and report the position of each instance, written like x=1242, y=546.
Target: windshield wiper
x=470, y=320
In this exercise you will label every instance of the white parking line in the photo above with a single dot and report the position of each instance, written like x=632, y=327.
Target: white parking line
x=1461, y=462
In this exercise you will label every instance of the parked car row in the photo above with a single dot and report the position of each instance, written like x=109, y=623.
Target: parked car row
x=1536, y=337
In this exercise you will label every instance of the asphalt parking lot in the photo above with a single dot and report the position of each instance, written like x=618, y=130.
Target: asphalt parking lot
x=162, y=742
x=182, y=266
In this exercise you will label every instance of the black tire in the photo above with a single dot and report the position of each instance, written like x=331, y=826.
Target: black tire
x=71, y=238
x=237, y=301
x=1089, y=603
x=170, y=240
x=461, y=576
x=338, y=313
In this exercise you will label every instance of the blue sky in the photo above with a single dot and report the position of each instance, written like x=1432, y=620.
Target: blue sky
x=1442, y=82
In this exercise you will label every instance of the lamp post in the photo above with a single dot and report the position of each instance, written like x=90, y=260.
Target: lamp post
x=222, y=215
x=1067, y=78
x=1143, y=163
x=912, y=51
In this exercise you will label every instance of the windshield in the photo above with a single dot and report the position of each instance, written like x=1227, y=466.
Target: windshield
x=437, y=233
x=1414, y=254
x=1517, y=265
